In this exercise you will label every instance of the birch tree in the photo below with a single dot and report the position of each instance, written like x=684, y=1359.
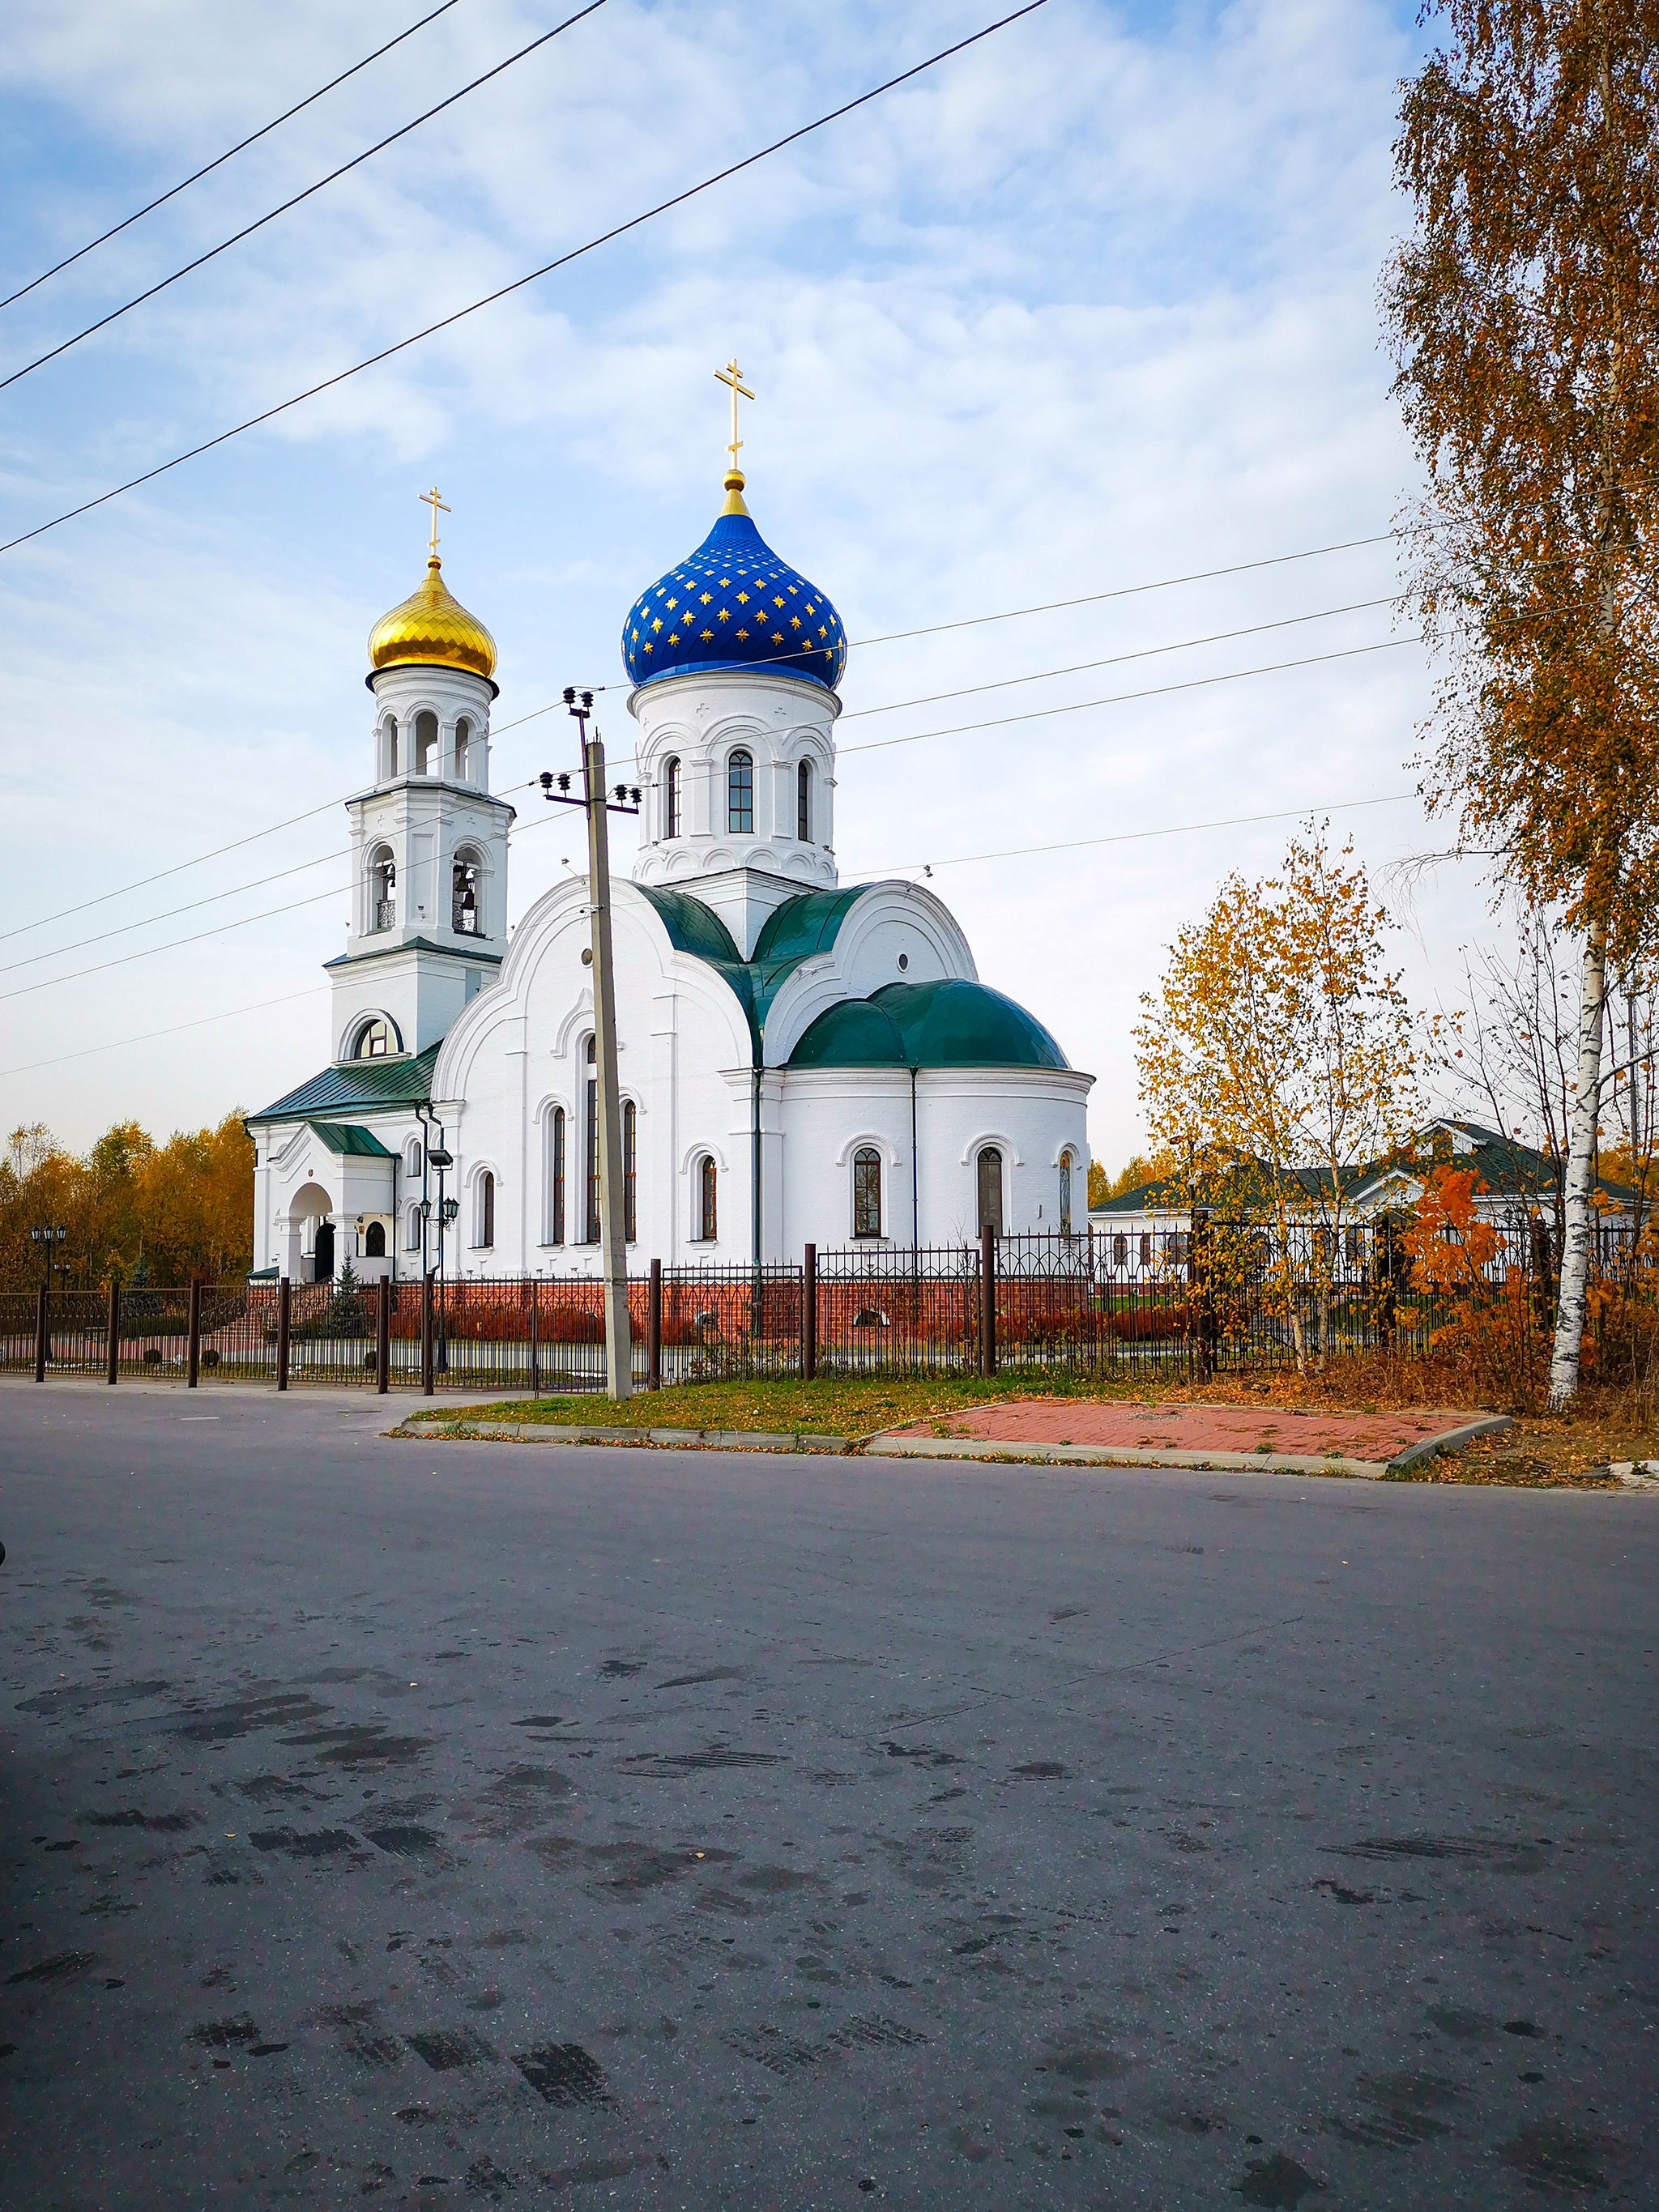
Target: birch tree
x=1524, y=318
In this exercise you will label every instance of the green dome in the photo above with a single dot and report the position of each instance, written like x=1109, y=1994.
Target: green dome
x=947, y=1024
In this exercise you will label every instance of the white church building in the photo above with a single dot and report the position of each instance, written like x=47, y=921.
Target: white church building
x=800, y=1061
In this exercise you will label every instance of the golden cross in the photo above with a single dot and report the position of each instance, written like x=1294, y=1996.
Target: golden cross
x=732, y=374
x=431, y=499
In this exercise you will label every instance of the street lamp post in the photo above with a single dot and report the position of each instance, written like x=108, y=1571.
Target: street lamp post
x=613, y=1247
x=49, y=1235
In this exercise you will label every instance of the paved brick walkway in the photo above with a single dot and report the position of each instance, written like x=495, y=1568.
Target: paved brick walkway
x=1265, y=1429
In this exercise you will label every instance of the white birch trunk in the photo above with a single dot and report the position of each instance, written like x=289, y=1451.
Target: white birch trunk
x=1580, y=1153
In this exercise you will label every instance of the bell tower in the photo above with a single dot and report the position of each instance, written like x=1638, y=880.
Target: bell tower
x=429, y=842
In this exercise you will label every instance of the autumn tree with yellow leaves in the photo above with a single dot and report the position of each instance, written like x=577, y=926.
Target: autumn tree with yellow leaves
x=1524, y=318
x=180, y=1210
x=1277, y=1056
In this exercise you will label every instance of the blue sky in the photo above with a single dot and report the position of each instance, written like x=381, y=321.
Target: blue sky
x=1090, y=306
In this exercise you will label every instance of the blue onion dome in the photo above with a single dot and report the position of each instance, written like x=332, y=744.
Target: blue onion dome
x=733, y=604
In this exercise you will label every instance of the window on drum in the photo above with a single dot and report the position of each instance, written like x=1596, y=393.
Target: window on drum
x=671, y=794
x=740, y=795
x=803, y=803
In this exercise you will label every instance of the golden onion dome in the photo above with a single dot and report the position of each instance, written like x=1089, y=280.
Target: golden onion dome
x=432, y=630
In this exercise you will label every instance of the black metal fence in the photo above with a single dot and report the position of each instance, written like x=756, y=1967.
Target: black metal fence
x=1226, y=1295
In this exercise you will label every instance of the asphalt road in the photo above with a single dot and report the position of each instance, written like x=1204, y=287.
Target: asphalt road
x=449, y=1825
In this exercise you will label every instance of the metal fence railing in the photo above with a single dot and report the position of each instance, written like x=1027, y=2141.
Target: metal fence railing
x=1224, y=1294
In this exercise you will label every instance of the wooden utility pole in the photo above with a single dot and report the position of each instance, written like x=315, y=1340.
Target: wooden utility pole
x=613, y=1240
x=613, y=1248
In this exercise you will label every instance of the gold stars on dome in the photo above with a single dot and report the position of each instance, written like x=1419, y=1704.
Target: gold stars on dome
x=431, y=629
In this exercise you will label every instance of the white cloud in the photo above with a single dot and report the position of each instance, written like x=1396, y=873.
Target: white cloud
x=1091, y=306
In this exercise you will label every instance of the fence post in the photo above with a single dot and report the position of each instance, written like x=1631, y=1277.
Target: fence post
x=383, y=1334
x=284, y=1313
x=193, y=1371
x=1199, y=1271
x=42, y=1343
x=654, y=1329
x=113, y=1371
x=535, y=1340
x=426, y=1332
x=987, y=1300
x=809, y=1315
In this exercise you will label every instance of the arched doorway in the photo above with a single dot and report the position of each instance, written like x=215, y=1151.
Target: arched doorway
x=323, y=1266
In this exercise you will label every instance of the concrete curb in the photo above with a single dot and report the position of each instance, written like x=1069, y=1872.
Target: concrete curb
x=550, y=1432
x=1449, y=1440
x=987, y=1448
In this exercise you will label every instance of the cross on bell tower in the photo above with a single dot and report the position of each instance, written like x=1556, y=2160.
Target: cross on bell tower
x=431, y=499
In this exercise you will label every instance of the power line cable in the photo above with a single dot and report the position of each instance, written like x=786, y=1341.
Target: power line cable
x=1049, y=607
x=178, y=868
x=962, y=859
x=219, y=160
x=173, y=944
x=1136, y=836
x=1116, y=659
x=310, y=192
x=1120, y=698
x=121, y=929
x=503, y=291
x=172, y=1029
x=499, y=729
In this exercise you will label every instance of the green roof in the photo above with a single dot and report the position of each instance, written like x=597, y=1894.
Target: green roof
x=801, y=927
x=944, y=1024
x=357, y=1086
x=344, y=1137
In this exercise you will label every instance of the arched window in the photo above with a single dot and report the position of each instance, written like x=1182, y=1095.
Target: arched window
x=591, y=1146
x=1066, y=1194
x=484, y=1225
x=465, y=918
x=708, y=1217
x=376, y=1040
x=463, y=743
x=866, y=1192
x=990, y=1190
x=803, y=803
x=554, y=1178
x=740, y=795
x=1119, y=1251
x=375, y=1240
x=413, y=1161
x=630, y=1218
x=389, y=743
x=671, y=798
x=382, y=889
x=412, y=1230
x=1146, y=1251
x=426, y=740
